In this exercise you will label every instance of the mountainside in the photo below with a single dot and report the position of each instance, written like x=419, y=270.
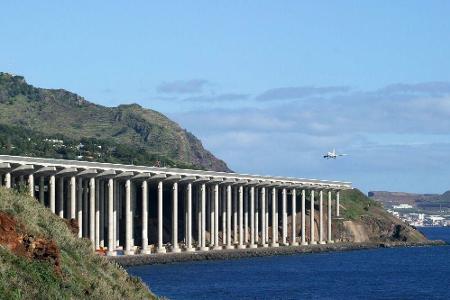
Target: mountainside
x=41, y=258
x=57, y=115
x=365, y=220
x=419, y=201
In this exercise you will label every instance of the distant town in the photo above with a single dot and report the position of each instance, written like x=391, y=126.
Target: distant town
x=418, y=210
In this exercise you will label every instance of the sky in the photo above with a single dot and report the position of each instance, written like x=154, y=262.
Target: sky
x=268, y=86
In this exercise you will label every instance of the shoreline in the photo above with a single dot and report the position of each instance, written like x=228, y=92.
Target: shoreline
x=167, y=258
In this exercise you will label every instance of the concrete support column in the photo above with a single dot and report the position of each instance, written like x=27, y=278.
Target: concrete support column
x=321, y=241
x=235, y=215
x=97, y=214
x=284, y=216
x=337, y=204
x=92, y=212
x=267, y=215
x=330, y=238
x=241, y=217
x=245, y=215
x=210, y=215
x=274, y=219
x=103, y=212
x=128, y=219
x=161, y=248
x=52, y=193
x=229, y=246
x=117, y=204
x=312, y=224
x=189, y=218
x=144, y=245
x=263, y=217
x=42, y=190
x=80, y=207
x=111, y=238
x=224, y=216
x=304, y=218
x=85, y=209
x=252, y=218
x=203, y=227
x=8, y=180
x=216, y=217
x=73, y=197
x=256, y=230
x=294, y=218
x=175, y=247
x=31, y=185
x=61, y=197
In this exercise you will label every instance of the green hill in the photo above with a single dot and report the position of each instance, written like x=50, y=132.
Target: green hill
x=59, y=121
x=40, y=258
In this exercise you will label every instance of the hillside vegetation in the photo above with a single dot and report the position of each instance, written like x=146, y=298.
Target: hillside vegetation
x=126, y=134
x=366, y=220
x=40, y=258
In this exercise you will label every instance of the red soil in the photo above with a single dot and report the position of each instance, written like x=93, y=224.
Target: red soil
x=13, y=237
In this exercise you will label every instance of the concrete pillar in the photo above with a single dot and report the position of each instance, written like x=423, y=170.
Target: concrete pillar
x=103, y=212
x=31, y=185
x=330, y=238
x=128, y=219
x=337, y=204
x=312, y=224
x=175, y=247
x=245, y=215
x=256, y=193
x=117, y=204
x=42, y=190
x=61, y=197
x=284, y=216
x=189, y=218
x=267, y=215
x=52, y=193
x=111, y=235
x=161, y=248
x=73, y=197
x=85, y=209
x=252, y=218
x=8, y=180
x=294, y=218
x=235, y=215
x=304, y=218
x=216, y=217
x=92, y=212
x=224, y=216
x=80, y=207
x=263, y=217
x=209, y=215
x=274, y=219
x=144, y=245
x=97, y=214
x=229, y=246
x=321, y=241
x=241, y=217
x=203, y=227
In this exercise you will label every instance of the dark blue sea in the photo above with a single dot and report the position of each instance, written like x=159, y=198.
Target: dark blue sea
x=399, y=273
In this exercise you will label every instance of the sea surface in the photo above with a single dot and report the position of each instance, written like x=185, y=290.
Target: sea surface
x=396, y=273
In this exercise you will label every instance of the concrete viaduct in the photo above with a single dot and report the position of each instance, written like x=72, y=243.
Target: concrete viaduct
x=127, y=209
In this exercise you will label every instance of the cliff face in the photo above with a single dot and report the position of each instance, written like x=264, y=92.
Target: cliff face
x=56, y=112
x=41, y=258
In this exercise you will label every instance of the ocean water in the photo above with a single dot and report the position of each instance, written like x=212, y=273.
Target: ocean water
x=399, y=273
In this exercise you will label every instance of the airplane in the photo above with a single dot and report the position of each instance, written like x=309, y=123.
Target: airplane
x=333, y=154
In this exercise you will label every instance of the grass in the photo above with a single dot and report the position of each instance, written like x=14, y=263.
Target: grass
x=84, y=275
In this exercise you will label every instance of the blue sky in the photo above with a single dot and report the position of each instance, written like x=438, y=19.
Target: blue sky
x=268, y=86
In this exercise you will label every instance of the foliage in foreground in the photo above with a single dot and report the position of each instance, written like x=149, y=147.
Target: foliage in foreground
x=84, y=275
